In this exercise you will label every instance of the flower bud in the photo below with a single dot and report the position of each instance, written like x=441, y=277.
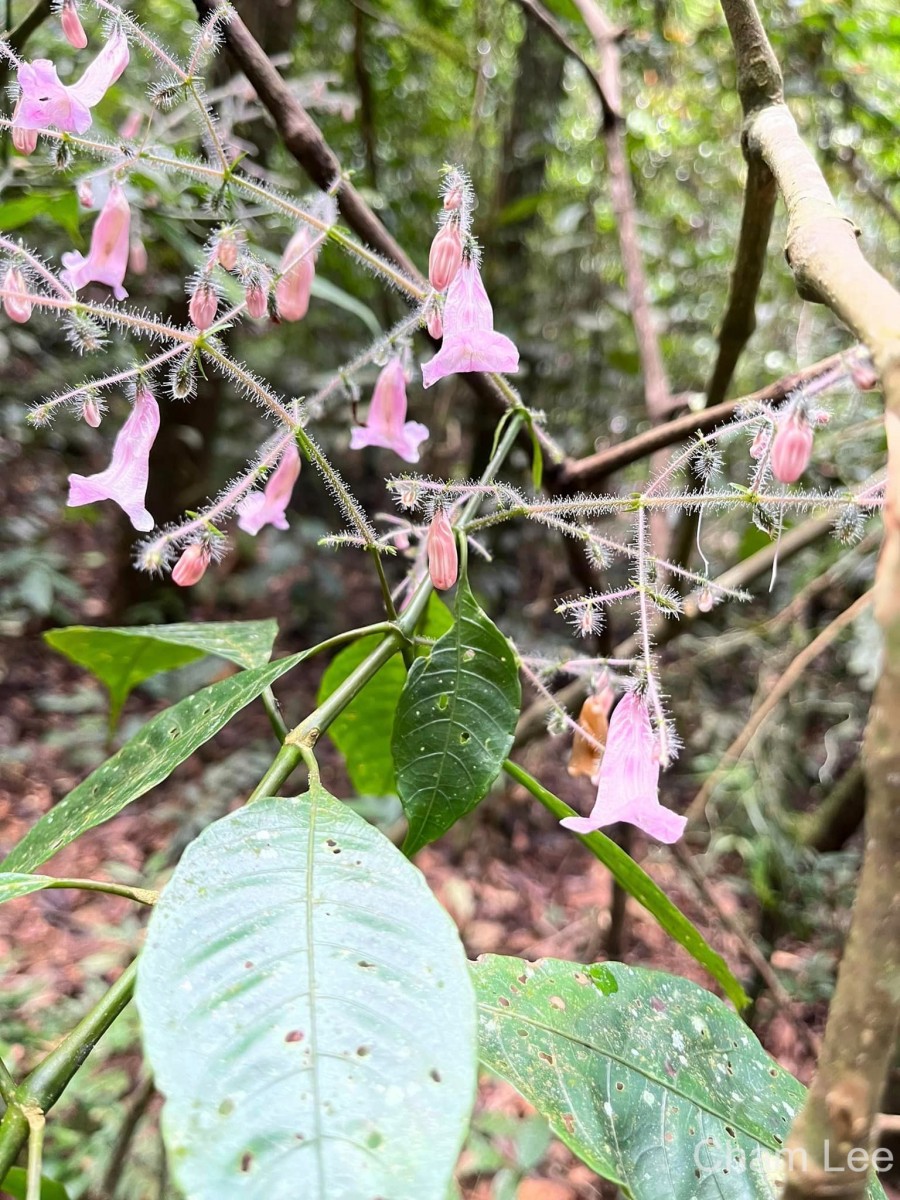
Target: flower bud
x=227, y=251
x=191, y=567
x=791, y=448
x=593, y=719
x=257, y=300
x=443, y=559
x=294, y=288
x=131, y=126
x=203, y=306
x=445, y=257
x=72, y=28
x=137, y=257
x=454, y=198
x=90, y=410
x=85, y=193
x=16, y=303
x=24, y=140
x=863, y=375
x=705, y=601
x=434, y=324
x=759, y=443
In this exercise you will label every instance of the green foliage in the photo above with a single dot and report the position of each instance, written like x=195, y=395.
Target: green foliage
x=362, y=732
x=15, y=1185
x=13, y=885
x=649, y=1079
x=455, y=722
x=307, y=1011
x=61, y=208
x=637, y=883
x=124, y=657
x=144, y=761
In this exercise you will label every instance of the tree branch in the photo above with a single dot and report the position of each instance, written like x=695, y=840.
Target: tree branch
x=839, y=1114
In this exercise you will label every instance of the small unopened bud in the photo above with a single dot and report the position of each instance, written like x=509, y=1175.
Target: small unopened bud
x=137, y=257
x=594, y=721
x=434, y=324
x=90, y=410
x=257, y=300
x=792, y=448
x=454, y=198
x=131, y=126
x=24, y=140
x=16, y=302
x=85, y=193
x=758, y=446
x=443, y=558
x=191, y=567
x=72, y=28
x=863, y=375
x=203, y=306
x=227, y=251
x=705, y=601
x=445, y=257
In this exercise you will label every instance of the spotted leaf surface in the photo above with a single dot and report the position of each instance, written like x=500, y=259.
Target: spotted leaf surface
x=651, y=1080
x=307, y=1012
x=455, y=723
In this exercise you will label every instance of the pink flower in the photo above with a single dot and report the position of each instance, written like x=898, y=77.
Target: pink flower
x=629, y=778
x=257, y=300
x=125, y=479
x=107, y=260
x=191, y=567
x=16, y=302
x=293, y=289
x=269, y=506
x=24, y=140
x=470, y=343
x=203, y=306
x=46, y=102
x=90, y=410
x=72, y=28
x=387, y=425
x=445, y=257
x=138, y=260
x=792, y=448
x=443, y=557
x=434, y=324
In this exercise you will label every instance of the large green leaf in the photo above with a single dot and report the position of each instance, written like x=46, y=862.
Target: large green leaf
x=15, y=1184
x=455, y=723
x=121, y=658
x=637, y=883
x=651, y=1080
x=362, y=732
x=144, y=761
x=307, y=1012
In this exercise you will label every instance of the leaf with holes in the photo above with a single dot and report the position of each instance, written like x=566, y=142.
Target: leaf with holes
x=144, y=761
x=123, y=658
x=649, y=1079
x=307, y=1012
x=455, y=723
x=362, y=732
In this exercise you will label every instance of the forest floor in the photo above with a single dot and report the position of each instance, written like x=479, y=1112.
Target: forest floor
x=511, y=878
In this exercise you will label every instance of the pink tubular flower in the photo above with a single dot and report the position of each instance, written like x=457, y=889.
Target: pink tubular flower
x=125, y=479
x=107, y=260
x=191, y=567
x=72, y=28
x=16, y=303
x=293, y=289
x=792, y=448
x=443, y=557
x=470, y=343
x=203, y=306
x=45, y=102
x=445, y=257
x=387, y=425
x=628, y=788
x=269, y=506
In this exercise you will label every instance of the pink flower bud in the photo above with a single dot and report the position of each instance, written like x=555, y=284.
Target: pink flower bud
x=72, y=28
x=90, y=410
x=443, y=559
x=293, y=289
x=227, y=251
x=203, y=306
x=453, y=200
x=137, y=257
x=863, y=375
x=191, y=567
x=24, y=140
x=85, y=193
x=445, y=257
x=131, y=126
x=434, y=324
x=257, y=300
x=16, y=302
x=791, y=448
x=759, y=443
x=705, y=601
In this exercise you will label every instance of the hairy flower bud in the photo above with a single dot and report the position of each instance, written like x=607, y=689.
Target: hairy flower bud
x=443, y=557
x=257, y=300
x=434, y=323
x=792, y=448
x=293, y=289
x=191, y=567
x=759, y=443
x=705, y=600
x=72, y=28
x=16, y=303
x=445, y=257
x=137, y=257
x=203, y=306
x=24, y=140
x=85, y=193
x=227, y=250
x=90, y=411
x=454, y=198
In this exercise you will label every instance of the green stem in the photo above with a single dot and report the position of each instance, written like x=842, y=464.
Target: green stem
x=141, y=895
x=37, y=1125
x=7, y=1084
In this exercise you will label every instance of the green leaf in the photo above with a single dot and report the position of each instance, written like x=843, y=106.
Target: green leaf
x=16, y=1185
x=60, y=207
x=12, y=885
x=325, y=289
x=123, y=658
x=455, y=723
x=649, y=1079
x=362, y=732
x=307, y=1012
x=144, y=761
x=637, y=883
